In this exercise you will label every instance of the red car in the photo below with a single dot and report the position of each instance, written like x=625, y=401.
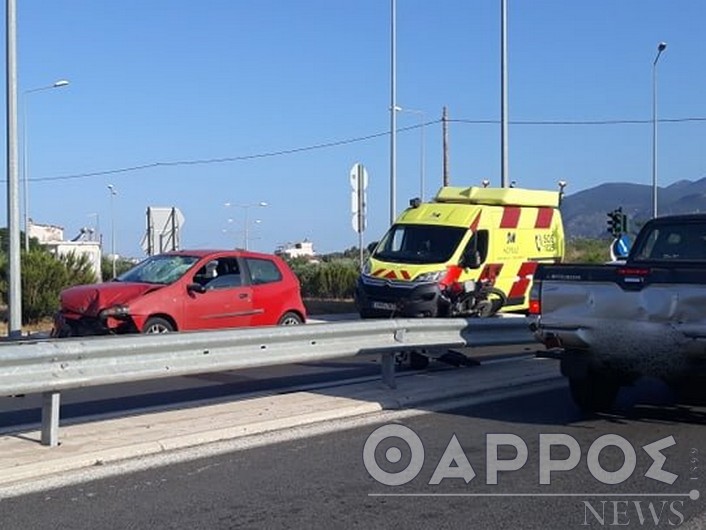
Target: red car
x=183, y=291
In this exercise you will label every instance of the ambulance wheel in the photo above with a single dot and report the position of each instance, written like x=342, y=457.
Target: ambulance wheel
x=417, y=361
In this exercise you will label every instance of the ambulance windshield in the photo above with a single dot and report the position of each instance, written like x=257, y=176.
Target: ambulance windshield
x=419, y=244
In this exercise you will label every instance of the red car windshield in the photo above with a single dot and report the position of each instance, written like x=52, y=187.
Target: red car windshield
x=162, y=269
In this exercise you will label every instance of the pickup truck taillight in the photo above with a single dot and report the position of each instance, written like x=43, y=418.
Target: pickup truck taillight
x=535, y=304
x=634, y=271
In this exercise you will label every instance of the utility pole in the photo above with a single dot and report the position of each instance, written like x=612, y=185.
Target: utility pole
x=445, y=146
x=504, y=176
x=393, y=111
x=14, y=327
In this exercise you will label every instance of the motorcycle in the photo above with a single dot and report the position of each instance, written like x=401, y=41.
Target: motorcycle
x=477, y=298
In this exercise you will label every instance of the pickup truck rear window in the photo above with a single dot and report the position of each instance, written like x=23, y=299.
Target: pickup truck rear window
x=677, y=242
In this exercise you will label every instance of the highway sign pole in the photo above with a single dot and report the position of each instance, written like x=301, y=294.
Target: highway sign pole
x=359, y=183
x=361, y=210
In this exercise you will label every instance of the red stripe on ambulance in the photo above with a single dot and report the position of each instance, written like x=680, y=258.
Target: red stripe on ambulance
x=524, y=277
x=475, y=223
x=490, y=272
x=544, y=218
x=511, y=217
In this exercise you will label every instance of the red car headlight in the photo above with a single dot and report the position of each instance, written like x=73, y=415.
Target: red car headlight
x=117, y=311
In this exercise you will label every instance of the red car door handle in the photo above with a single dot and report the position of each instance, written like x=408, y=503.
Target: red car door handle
x=243, y=295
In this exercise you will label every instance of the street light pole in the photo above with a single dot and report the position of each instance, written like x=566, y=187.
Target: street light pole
x=660, y=48
x=504, y=120
x=422, y=157
x=25, y=152
x=393, y=111
x=245, y=229
x=14, y=287
x=113, y=193
x=246, y=207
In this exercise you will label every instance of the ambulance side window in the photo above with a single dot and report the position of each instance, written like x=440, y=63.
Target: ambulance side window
x=476, y=251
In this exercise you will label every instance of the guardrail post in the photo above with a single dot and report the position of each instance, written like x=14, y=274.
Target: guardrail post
x=50, y=418
x=388, y=369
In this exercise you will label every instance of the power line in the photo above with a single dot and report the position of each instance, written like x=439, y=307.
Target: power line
x=338, y=143
x=583, y=122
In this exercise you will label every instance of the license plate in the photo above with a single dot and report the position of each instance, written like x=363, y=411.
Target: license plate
x=385, y=306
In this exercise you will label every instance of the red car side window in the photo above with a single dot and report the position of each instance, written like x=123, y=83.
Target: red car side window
x=263, y=271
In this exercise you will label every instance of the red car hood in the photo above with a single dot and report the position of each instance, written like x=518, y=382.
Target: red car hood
x=89, y=300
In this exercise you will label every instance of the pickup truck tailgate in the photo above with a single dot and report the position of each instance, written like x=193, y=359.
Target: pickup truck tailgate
x=651, y=316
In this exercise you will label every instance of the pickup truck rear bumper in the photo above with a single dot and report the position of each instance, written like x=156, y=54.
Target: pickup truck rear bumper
x=663, y=350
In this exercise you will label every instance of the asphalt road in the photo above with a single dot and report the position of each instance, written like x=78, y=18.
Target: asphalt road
x=321, y=481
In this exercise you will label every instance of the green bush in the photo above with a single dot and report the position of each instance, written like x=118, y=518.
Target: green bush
x=335, y=279
x=305, y=271
x=584, y=250
x=43, y=278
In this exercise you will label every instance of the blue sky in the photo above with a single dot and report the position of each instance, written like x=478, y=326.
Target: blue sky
x=211, y=89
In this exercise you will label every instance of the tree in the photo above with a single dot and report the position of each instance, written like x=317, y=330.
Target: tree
x=44, y=276
x=121, y=265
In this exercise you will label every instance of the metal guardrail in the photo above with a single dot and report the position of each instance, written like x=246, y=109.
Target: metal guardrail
x=50, y=366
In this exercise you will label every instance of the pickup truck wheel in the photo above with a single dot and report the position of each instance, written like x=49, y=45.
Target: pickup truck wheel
x=593, y=393
x=689, y=390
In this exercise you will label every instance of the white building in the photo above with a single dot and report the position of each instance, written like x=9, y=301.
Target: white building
x=52, y=237
x=303, y=249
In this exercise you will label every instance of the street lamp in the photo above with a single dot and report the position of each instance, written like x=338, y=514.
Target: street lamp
x=96, y=226
x=113, y=193
x=660, y=48
x=245, y=208
x=393, y=111
x=25, y=152
x=422, y=126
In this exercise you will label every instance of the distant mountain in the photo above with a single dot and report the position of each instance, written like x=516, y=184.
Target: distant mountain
x=585, y=212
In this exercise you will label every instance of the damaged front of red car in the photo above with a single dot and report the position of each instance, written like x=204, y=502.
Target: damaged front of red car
x=99, y=309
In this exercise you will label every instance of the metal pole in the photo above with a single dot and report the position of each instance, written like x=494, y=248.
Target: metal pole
x=25, y=171
x=503, y=107
x=422, y=159
x=393, y=113
x=361, y=213
x=445, y=147
x=25, y=152
x=13, y=206
x=245, y=230
x=112, y=226
x=660, y=48
x=50, y=418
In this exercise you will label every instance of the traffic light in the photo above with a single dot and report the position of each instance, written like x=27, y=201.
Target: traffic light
x=623, y=223
x=617, y=222
x=613, y=223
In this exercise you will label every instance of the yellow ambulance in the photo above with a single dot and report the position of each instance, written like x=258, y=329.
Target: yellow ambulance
x=469, y=251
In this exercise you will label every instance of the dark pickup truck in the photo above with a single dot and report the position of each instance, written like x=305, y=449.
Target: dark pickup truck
x=645, y=315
